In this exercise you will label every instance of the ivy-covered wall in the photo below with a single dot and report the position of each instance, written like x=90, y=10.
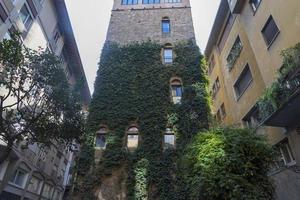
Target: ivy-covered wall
x=133, y=86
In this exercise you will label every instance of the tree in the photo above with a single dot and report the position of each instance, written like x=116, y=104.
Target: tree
x=36, y=102
x=229, y=163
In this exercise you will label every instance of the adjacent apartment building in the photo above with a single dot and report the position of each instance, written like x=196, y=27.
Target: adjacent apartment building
x=244, y=58
x=41, y=172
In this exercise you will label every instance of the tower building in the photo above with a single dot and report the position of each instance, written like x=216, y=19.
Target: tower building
x=150, y=99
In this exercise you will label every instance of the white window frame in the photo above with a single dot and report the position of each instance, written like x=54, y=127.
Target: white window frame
x=30, y=15
x=18, y=170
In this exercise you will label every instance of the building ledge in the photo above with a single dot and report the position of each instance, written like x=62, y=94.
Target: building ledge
x=288, y=115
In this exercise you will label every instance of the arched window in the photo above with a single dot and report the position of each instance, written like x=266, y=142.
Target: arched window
x=101, y=138
x=168, y=54
x=176, y=88
x=132, y=138
x=165, y=25
x=169, y=139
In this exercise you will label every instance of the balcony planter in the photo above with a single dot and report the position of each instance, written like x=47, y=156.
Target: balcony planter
x=282, y=97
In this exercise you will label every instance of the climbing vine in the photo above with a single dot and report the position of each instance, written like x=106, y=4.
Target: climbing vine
x=133, y=86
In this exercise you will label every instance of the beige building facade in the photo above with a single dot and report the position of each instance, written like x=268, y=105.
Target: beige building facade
x=244, y=56
x=39, y=172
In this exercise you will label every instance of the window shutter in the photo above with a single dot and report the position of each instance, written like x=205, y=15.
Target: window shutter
x=32, y=8
x=3, y=14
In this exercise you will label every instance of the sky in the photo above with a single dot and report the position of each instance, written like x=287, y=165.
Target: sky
x=90, y=20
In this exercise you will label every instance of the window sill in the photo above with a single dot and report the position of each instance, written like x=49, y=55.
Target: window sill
x=248, y=85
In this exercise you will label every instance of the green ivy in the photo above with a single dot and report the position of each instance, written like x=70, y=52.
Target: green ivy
x=133, y=86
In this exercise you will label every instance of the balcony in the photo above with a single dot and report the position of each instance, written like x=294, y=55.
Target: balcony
x=280, y=104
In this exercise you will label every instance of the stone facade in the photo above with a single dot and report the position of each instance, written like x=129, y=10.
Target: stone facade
x=142, y=22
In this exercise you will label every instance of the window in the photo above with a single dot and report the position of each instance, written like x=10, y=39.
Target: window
x=3, y=167
x=168, y=54
x=226, y=32
x=151, y=1
x=286, y=157
x=34, y=185
x=25, y=16
x=129, y=2
x=132, y=138
x=218, y=116
x=270, y=31
x=234, y=53
x=3, y=14
x=172, y=1
x=211, y=64
x=169, y=139
x=216, y=87
x=19, y=178
x=223, y=111
x=56, y=36
x=166, y=27
x=57, y=195
x=252, y=119
x=254, y=4
x=101, y=138
x=243, y=82
x=47, y=191
x=177, y=90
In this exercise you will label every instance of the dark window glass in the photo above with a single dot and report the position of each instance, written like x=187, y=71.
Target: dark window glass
x=223, y=111
x=270, y=31
x=3, y=14
x=129, y=2
x=243, y=81
x=216, y=87
x=166, y=28
x=255, y=4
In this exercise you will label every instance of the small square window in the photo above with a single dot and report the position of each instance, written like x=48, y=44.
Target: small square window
x=270, y=31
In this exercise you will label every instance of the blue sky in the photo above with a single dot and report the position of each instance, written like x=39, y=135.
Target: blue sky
x=90, y=20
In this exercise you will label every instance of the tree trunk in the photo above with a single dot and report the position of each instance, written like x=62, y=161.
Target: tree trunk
x=7, y=150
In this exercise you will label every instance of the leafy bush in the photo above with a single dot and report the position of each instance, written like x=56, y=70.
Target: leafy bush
x=229, y=163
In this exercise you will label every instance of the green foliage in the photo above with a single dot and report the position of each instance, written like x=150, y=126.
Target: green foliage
x=280, y=90
x=133, y=86
x=229, y=164
x=36, y=101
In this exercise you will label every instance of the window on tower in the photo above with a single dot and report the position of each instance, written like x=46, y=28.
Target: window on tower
x=168, y=54
x=172, y=1
x=166, y=27
x=176, y=89
x=151, y=1
x=129, y=2
x=132, y=138
x=101, y=138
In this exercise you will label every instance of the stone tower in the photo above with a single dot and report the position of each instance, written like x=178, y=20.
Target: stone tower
x=149, y=100
x=141, y=20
